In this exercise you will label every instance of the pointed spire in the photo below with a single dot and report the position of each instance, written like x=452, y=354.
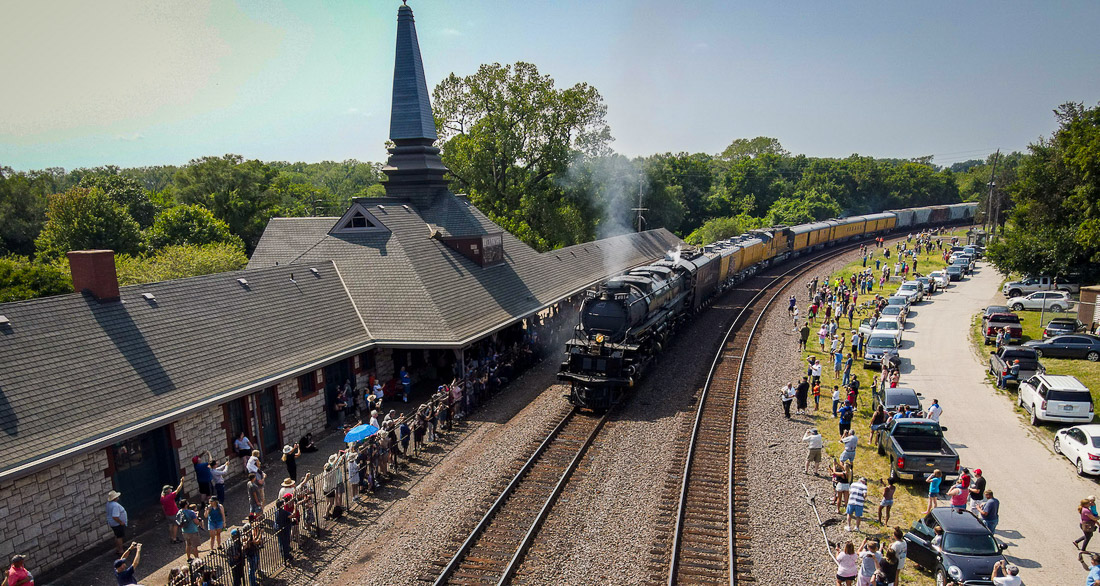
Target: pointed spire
x=411, y=115
x=414, y=169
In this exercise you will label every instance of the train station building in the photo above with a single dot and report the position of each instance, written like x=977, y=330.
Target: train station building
x=115, y=388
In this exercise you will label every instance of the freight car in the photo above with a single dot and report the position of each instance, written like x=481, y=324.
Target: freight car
x=627, y=320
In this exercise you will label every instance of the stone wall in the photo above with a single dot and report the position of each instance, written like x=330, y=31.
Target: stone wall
x=199, y=432
x=298, y=415
x=57, y=512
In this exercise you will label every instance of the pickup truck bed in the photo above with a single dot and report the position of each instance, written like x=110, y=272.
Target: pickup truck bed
x=1000, y=360
x=917, y=447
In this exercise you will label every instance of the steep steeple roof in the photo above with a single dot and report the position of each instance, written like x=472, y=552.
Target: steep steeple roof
x=414, y=169
x=411, y=116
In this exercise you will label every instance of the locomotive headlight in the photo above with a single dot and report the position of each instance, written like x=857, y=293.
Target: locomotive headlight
x=599, y=338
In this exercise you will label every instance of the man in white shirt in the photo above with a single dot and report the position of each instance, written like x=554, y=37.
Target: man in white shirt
x=935, y=410
x=1006, y=575
x=815, y=442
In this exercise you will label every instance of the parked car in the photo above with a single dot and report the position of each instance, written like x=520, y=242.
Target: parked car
x=917, y=447
x=1048, y=300
x=928, y=285
x=891, y=399
x=941, y=278
x=973, y=251
x=954, y=272
x=1030, y=366
x=1063, y=325
x=1068, y=346
x=1008, y=321
x=963, y=264
x=898, y=300
x=1049, y=397
x=965, y=555
x=1031, y=284
x=895, y=311
x=1081, y=444
x=990, y=310
x=865, y=327
x=877, y=345
x=889, y=326
x=912, y=290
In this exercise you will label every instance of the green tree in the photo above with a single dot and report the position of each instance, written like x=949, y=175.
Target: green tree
x=238, y=192
x=687, y=180
x=86, y=218
x=753, y=147
x=126, y=192
x=803, y=207
x=188, y=224
x=22, y=279
x=721, y=228
x=23, y=202
x=1055, y=225
x=177, y=262
x=507, y=133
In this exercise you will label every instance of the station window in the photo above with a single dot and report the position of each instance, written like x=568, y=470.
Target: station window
x=307, y=385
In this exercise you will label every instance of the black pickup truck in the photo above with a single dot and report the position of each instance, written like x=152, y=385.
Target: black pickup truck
x=917, y=447
x=1003, y=358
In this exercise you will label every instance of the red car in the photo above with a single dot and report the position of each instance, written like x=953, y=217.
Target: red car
x=1009, y=321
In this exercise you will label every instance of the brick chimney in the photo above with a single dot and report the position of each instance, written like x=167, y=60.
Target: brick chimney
x=94, y=271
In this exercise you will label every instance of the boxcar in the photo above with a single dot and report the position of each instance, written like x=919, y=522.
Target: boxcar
x=921, y=216
x=904, y=218
x=940, y=215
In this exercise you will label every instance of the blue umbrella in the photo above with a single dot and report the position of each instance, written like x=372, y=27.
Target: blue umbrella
x=360, y=432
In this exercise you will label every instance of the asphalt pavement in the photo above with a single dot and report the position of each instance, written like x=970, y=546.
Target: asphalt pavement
x=1039, y=490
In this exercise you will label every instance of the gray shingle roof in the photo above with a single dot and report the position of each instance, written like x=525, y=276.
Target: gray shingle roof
x=413, y=289
x=75, y=370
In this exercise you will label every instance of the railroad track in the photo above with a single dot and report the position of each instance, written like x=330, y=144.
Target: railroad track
x=496, y=547
x=710, y=539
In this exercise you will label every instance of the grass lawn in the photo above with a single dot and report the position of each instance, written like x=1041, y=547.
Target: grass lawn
x=911, y=497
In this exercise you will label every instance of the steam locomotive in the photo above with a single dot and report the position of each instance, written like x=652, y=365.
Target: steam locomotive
x=627, y=320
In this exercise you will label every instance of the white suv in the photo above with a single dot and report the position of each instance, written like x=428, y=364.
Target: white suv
x=1051, y=397
x=1049, y=300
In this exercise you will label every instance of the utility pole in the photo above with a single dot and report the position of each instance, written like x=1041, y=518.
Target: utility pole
x=991, y=209
x=640, y=209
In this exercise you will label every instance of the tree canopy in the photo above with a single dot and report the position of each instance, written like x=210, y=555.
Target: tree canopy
x=1054, y=227
x=85, y=218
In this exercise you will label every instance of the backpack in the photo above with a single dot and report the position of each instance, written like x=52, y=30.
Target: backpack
x=181, y=519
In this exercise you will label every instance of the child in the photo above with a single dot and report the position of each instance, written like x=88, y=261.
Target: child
x=869, y=557
x=934, y=490
x=887, y=501
x=817, y=396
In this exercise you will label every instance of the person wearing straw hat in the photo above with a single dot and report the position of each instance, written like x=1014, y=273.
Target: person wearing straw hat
x=287, y=487
x=116, y=519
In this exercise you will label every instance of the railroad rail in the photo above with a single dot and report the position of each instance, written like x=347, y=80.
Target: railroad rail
x=705, y=539
x=495, y=548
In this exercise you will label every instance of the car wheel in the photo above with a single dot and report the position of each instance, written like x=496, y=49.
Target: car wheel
x=1093, y=356
x=1038, y=353
x=1057, y=446
x=941, y=578
x=1056, y=308
x=1017, y=307
x=1080, y=468
x=1014, y=293
x=1034, y=416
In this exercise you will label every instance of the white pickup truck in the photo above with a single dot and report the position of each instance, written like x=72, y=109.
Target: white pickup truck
x=1033, y=284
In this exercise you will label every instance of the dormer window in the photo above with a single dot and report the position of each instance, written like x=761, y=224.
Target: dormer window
x=358, y=220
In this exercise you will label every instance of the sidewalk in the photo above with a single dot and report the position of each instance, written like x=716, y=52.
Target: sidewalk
x=158, y=555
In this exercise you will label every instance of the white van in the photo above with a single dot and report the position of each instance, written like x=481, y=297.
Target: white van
x=1050, y=397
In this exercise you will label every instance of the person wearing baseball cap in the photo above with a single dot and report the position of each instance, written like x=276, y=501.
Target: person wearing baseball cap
x=977, y=488
x=17, y=574
x=116, y=519
x=124, y=569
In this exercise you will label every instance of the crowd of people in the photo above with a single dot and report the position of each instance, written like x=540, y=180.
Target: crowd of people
x=830, y=300
x=348, y=476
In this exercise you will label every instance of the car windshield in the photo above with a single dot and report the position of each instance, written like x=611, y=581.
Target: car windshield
x=970, y=544
x=882, y=342
x=896, y=301
x=887, y=325
x=956, y=269
x=891, y=310
x=902, y=398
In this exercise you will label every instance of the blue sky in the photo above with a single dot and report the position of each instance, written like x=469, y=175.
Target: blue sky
x=132, y=82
